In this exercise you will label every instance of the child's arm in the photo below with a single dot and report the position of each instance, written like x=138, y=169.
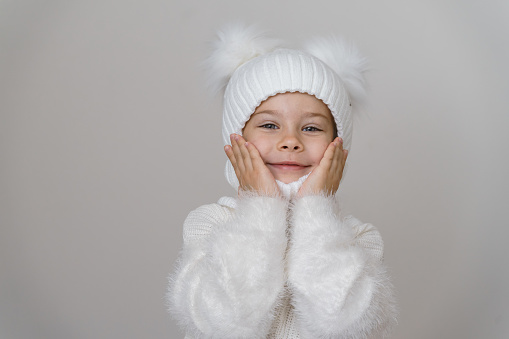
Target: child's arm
x=340, y=286
x=231, y=270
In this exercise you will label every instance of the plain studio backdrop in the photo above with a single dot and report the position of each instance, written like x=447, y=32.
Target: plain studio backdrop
x=108, y=139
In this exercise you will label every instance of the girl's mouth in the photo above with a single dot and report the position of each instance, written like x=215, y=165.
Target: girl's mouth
x=288, y=166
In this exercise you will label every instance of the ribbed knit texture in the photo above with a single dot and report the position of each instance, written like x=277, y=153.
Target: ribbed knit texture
x=281, y=71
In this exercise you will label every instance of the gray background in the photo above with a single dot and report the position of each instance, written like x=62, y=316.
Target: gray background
x=108, y=139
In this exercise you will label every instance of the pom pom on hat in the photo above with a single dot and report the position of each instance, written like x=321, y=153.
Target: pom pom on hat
x=235, y=45
x=346, y=60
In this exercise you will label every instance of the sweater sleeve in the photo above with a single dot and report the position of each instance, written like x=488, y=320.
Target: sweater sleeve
x=230, y=272
x=340, y=286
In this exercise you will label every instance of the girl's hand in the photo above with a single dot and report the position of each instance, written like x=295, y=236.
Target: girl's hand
x=327, y=175
x=251, y=171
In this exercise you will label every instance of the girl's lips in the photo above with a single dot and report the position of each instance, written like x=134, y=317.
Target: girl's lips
x=289, y=166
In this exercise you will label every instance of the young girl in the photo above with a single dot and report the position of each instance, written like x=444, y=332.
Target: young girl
x=280, y=260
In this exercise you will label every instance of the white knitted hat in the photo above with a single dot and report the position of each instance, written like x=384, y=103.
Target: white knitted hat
x=253, y=69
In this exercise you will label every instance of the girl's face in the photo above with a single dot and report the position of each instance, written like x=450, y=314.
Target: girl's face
x=291, y=131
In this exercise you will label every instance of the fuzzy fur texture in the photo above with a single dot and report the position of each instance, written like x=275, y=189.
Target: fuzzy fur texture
x=230, y=277
x=339, y=290
x=228, y=283
x=346, y=60
x=235, y=45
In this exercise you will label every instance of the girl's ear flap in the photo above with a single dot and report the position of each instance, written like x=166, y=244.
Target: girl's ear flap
x=235, y=45
x=344, y=59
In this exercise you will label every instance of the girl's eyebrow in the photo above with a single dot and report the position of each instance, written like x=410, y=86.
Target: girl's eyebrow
x=267, y=112
x=315, y=114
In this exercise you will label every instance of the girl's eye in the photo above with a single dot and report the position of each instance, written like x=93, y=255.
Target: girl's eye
x=311, y=129
x=269, y=126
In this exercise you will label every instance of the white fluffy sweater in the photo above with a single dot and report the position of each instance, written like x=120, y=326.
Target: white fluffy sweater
x=262, y=267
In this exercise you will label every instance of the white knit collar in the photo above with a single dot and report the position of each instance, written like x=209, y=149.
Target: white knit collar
x=290, y=190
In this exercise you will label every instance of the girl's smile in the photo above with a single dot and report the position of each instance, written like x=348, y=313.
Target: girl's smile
x=287, y=169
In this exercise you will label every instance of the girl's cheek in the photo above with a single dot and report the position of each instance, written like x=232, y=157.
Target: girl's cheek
x=264, y=151
x=259, y=145
x=321, y=151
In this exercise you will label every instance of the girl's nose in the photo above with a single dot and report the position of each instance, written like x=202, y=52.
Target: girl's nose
x=290, y=143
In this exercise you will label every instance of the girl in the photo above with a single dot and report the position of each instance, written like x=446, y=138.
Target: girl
x=279, y=260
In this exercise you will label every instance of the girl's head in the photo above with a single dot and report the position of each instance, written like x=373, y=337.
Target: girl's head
x=287, y=93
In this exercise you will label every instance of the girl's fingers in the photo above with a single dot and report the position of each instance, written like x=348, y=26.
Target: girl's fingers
x=250, y=168
x=327, y=175
x=338, y=156
x=328, y=156
x=334, y=161
x=236, y=152
x=246, y=157
x=256, y=159
x=229, y=153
